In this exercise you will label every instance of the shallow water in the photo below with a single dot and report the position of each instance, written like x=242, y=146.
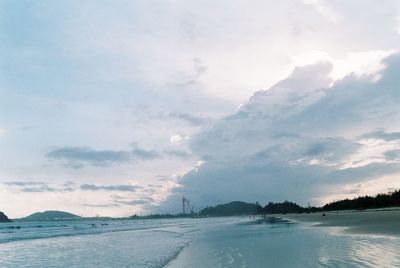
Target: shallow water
x=211, y=242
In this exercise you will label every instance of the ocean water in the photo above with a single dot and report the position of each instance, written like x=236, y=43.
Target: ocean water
x=207, y=242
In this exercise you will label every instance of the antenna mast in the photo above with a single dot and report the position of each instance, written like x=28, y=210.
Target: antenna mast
x=185, y=205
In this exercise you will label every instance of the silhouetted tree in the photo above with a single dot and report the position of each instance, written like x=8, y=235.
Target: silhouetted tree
x=363, y=202
x=232, y=209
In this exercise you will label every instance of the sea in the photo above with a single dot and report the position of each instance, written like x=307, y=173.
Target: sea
x=198, y=242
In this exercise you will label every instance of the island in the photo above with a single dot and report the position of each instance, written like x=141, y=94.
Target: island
x=51, y=215
x=234, y=208
x=4, y=218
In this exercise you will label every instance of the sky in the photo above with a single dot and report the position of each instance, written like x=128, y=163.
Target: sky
x=117, y=108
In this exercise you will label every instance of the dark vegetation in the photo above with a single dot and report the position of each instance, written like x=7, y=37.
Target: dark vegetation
x=391, y=199
x=241, y=208
x=287, y=207
x=365, y=202
x=232, y=209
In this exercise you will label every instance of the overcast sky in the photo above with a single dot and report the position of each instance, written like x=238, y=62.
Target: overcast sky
x=121, y=107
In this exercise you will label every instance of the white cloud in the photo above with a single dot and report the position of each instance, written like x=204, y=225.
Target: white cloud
x=176, y=138
x=359, y=63
x=371, y=151
x=398, y=24
x=300, y=140
x=227, y=50
x=367, y=187
x=322, y=8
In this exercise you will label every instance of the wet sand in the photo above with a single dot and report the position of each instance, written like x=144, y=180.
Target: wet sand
x=379, y=221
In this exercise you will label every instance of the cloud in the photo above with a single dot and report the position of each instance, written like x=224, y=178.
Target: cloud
x=26, y=127
x=162, y=178
x=177, y=153
x=45, y=187
x=143, y=154
x=77, y=157
x=118, y=187
x=322, y=8
x=381, y=134
x=111, y=205
x=393, y=155
x=176, y=138
x=299, y=139
x=124, y=200
x=134, y=202
x=398, y=24
x=24, y=183
x=190, y=118
x=39, y=187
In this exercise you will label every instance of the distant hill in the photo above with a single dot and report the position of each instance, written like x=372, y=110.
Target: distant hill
x=51, y=215
x=285, y=207
x=243, y=208
x=4, y=218
x=232, y=209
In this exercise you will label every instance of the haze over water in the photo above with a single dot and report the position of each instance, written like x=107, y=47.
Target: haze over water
x=208, y=242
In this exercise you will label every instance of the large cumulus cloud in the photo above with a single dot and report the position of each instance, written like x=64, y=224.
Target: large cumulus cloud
x=304, y=137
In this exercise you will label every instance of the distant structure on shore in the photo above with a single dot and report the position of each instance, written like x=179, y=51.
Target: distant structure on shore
x=186, y=209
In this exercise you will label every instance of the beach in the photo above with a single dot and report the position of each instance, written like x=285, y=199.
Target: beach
x=204, y=242
x=372, y=221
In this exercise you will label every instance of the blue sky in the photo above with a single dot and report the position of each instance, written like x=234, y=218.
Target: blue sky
x=121, y=107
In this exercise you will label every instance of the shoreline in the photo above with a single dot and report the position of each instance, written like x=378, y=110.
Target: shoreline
x=385, y=221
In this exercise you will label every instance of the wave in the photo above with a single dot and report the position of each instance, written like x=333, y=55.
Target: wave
x=175, y=256
x=32, y=230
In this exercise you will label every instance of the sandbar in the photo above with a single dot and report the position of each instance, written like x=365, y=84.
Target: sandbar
x=371, y=221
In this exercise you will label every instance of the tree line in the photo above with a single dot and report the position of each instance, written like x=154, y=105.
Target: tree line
x=390, y=199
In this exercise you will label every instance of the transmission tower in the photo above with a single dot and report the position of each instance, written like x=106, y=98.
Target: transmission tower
x=185, y=205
